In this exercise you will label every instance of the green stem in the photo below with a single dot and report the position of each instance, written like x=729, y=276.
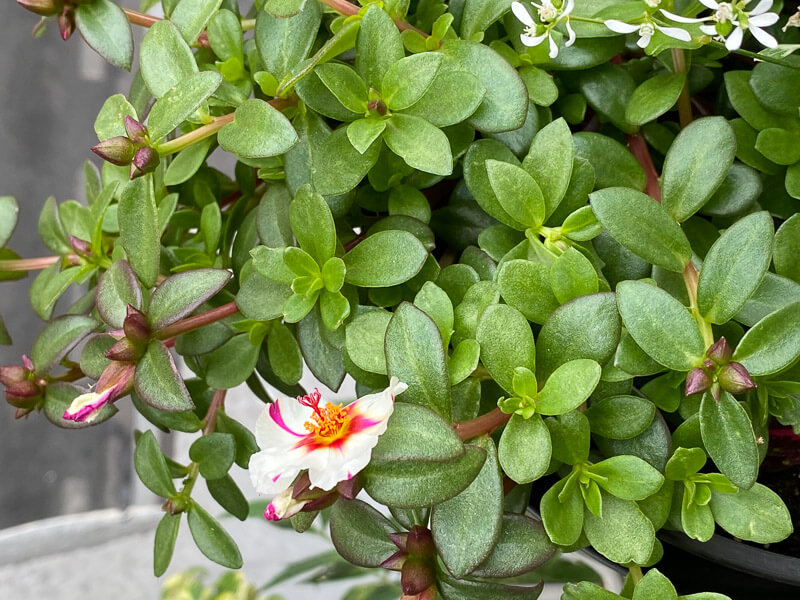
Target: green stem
x=181, y=142
x=586, y=20
x=248, y=24
x=684, y=101
x=690, y=279
x=198, y=321
x=635, y=572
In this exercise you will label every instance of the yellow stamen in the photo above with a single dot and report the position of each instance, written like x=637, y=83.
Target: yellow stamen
x=328, y=422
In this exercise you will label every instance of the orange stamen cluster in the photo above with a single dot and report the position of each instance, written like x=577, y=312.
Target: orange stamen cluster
x=327, y=421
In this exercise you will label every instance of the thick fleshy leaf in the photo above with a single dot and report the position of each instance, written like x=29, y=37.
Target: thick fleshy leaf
x=151, y=466
x=523, y=545
x=180, y=102
x=627, y=477
x=158, y=382
x=284, y=42
x=773, y=343
x=106, y=29
x=550, y=162
x=623, y=534
x=517, y=192
x=654, y=97
x=177, y=296
x=164, y=58
x=192, y=16
x=417, y=433
x=232, y=363
x=118, y=287
x=525, y=448
x=56, y=340
x=360, y=533
x=660, y=325
x=257, y=131
x=409, y=78
x=164, y=543
x=364, y=340
x=416, y=356
x=465, y=589
x=212, y=539
x=621, y=417
x=385, y=259
x=562, y=512
x=506, y=343
x=729, y=439
x=420, y=144
x=9, y=211
x=757, y=515
x=568, y=387
x=379, y=46
x=734, y=267
x=525, y=285
x=467, y=527
x=138, y=228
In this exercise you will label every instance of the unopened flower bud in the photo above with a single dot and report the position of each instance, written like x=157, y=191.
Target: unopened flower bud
x=283, y=506
x=698, y=380
x=46, y=8
x=735, y=379
x=145, y=160
x=11, y=374
x=22, y=412
x=81, y=247
x=117, y=150
x=416, y=576
x=66, y=22
x=349, y=488
x=136, y=325
x=137, y=132
x=27, y=363
x=420, y=542
x=720, y=352
x=123, y=351
x=395, y=562
x=323, y=502
x=23, y=394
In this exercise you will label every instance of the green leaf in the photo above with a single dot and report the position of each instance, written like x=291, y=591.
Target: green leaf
x=176, y=105
x=570, y=437
x=620, y=417
x=232, y=363
x=212, y=540
x=138, y=228
x=117, y=288
x=438, y=306
x=213, y=453
x=734, y=267
x=685, y=462
x=164, y=545
x=464, y=360
x=378, y=47
x=323, y=359
x=562, y=512
x=385, y=259
x=313, y=225
x=284, y=8
x=525, y=448
x=151, y=466
x=416, y=356
x=9, y=212
x=565, y=337
x=257, y=131
x=654, y=586
x=420, y=144
x=187, y=162
x=364, y=340
x=572, y=275
x=57, y=338
x=452, y=98
x=627, y=477
x=262, y=299
x=697, y=520
x=106, y=29
x=225, y=35
x=467, y=527
x=411, y=484
x=517, y=192
x=550, y=162
x=284, y=354
x=772, y=344
x=729, y=439
x=608, y=88
x=110, y=121
x=506, y=343
x=623, y=534
x=525, y=285
x=787, y=247
x=344, y=83
x=363, y=132
x=164, y=58
x=158, y=383
x=568, y=387
x=360, y=533
x=613, y=164
x=228, y=495
x=337, y=167
x=409, y=78
x=587, y=591
x=660, y=325
x=505, y=104
x=523, y=545
x=776, y=87
x=192, y=16
x=691, y=173
x=476, y=177
x=465, y=589
x=654, y=97
x=416, y=433
x=779, y=145
x=757, y=515
x=284, y=42
x=479, y=14
x=179, y=295
x=50, y=284
x=643, y=226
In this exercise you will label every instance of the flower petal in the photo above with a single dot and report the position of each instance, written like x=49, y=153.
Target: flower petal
x=709, y=29
x=765, y=38
x=553, y=48
x=675, y=33
x=734, y=41
x=644, y=40
x=570, y=5
x=85, y=407
x=522, y=14
x=680, y=19
x=760, y=8
x=532, y=40
x=270, y=474
x=712, y=4
x=571, y=33
x=764, y=20
x=281, y=424
x=620, y=26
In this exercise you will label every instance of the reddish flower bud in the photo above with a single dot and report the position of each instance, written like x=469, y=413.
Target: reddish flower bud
x=23, y=394
x=117, y=150
x=720, y=352
x=349, y=488
x=709, y=364
x=735, y=379
x=124, y=351
x=322, y=502
x=66, y=22
x=400, y=540
x=27, y=363
x=136, y=325
x=395, y=562
x=11, y=374
x=420, y=542
x=698, y=380
x=135, y=130
x=22, y=412
x=81, y=247
x=46, y=8
x=145, y=160
x=416, y=576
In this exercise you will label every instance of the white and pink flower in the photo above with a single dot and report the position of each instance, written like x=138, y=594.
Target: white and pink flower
x=332, y=441
x=115, y=382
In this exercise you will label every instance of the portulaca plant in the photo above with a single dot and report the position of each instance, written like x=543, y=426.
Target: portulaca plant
x=554, y=245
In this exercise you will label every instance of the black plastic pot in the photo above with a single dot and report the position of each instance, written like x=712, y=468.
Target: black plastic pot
x=723, y=565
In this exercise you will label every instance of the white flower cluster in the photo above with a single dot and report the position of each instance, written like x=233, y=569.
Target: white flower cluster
x=727, y=23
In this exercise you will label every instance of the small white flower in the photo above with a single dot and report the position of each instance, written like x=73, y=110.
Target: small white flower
x=646, y=29
x=332, y=441
x=549, y=15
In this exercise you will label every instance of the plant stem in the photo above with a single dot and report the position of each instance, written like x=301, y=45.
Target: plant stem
x=343, y=7
x=139, y=18
x=198, y=321
x=684, y=100
x=480, y=425
x=181, y=142
x=34, y=264
x=639, y=149
x=217, y=402
x=690, y=281
x=635, y=572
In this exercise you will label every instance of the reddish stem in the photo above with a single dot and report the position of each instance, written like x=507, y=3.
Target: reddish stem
x=139, y=18
x=198, y=321
x=480, y=425
x=343, y=7
x=211, y=416
x=639, y=149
